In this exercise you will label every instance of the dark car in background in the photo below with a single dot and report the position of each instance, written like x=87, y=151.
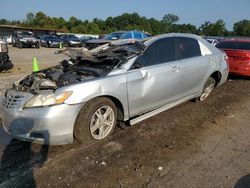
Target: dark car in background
x=70, y=41
x=50, y=41
x=238, y=52
x=22, y=39
x=84, y=39
x=5, y=63
x=120, y=35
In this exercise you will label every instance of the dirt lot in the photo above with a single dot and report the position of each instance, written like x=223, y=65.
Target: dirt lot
x=192, y=145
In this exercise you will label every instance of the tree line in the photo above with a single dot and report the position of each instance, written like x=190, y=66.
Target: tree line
x=130, y=21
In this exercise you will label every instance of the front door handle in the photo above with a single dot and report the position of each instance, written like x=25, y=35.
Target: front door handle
x=176, y=69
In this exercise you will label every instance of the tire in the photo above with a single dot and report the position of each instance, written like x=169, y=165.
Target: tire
x=37, y=46
x=208, y=88
x=20, y=45
x=88, y=128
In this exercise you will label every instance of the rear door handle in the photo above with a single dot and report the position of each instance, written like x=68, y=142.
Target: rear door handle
x=176, y=69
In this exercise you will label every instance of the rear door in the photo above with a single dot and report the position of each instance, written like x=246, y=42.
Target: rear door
x=194, y=66
x=154, y=80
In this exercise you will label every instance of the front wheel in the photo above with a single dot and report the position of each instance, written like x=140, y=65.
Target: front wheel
x=96, y=120
x=208, y=88
x=20, y=45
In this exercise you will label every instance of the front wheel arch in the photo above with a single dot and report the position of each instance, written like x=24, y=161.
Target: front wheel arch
x=82, y=127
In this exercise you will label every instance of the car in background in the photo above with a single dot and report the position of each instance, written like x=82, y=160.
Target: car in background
x=70, y=41
x=50, y=41
x=24, y=38
x=212, y=41
x=86, y=97
x=93, y=43
x=84, y=39
x=5, y=63
x=8, y=39
x=116, y=36
x=135, y=35
x=238, y=52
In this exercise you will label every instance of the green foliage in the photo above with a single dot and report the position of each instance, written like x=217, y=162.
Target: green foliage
x=170, y=19
x=128, y=21
x=242, y=28
x=183, y=28
x=30, y=18
x=213, y=29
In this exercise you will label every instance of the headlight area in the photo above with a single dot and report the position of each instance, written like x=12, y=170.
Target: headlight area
x=51, y=99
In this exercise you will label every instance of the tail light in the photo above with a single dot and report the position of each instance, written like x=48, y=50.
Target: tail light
x=226, y=58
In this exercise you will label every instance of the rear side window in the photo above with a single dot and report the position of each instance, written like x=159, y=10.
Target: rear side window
x=236, y=45
x=161, y=51
x=187, y=47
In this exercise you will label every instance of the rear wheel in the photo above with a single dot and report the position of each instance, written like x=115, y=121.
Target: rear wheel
x=96, y=120
x=208, y=88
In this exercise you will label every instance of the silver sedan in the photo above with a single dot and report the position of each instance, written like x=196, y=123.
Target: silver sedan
x=85, y=97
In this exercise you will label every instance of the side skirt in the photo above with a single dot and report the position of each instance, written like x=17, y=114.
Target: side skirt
x=157, y=111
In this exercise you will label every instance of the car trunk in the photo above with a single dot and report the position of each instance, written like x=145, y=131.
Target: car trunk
x=238, y=59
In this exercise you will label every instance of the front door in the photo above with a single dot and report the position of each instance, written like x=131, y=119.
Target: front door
x=154, y=80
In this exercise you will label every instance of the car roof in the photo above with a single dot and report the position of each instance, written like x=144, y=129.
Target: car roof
x=213, y=49
x=118, y=32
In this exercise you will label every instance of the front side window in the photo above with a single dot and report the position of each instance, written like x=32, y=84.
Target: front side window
x=25, y=34
x=187, y=47
x=161, y=51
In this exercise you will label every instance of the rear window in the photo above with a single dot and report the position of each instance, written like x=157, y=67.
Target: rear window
x=187, y=47
x=234, y=45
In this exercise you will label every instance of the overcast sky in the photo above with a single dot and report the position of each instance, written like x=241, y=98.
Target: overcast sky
x=190, y=11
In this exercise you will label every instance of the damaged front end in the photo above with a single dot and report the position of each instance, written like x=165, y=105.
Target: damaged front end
x=83, y=65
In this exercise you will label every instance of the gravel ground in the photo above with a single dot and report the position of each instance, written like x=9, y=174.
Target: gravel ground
x=192, y=145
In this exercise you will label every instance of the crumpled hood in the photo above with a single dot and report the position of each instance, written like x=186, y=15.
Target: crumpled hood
x=84, y=66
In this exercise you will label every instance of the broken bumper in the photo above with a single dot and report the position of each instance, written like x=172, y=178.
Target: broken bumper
x=46, y=125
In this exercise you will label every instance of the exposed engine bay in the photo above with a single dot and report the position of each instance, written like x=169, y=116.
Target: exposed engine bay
x=82, y=65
